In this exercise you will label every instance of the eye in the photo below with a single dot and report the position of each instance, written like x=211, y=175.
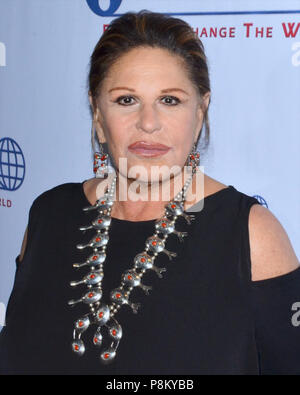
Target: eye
x=171, y=100
x=124, y=100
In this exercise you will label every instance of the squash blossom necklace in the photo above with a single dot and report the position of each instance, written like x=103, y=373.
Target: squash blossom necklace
x=103, y=314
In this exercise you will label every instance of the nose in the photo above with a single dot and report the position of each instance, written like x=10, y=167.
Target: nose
x=148, y=119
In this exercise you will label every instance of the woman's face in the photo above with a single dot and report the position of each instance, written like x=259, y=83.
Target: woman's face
x=148, y=99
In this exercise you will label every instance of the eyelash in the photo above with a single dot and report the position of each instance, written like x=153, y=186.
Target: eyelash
x=118, y=100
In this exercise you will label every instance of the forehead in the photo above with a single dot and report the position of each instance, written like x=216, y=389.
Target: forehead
x=147, y=65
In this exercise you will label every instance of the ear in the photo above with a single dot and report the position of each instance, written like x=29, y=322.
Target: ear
x=202, y=107
x=97, y=120
x=205, y=101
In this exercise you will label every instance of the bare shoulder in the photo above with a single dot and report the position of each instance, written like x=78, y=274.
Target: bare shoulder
x=271, y=251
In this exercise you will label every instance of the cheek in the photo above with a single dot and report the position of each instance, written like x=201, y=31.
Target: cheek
x=116, y=134
x=183, y=133
x=182, y=149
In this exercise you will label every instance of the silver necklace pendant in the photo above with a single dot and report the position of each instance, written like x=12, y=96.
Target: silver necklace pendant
x=145, y=262
x=166, y=227
x=102, y=314
x=95, y=259
x=132, y=279
x=101, y=222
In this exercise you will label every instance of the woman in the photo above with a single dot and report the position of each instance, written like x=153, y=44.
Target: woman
x=221, y=284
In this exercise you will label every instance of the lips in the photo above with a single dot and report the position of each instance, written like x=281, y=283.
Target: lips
x=144, y=148
x=145, y=145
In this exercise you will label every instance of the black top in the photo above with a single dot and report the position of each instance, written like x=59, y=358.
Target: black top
x=205, y=316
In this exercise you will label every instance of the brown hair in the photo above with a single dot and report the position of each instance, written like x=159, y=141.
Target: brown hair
x=152, y=29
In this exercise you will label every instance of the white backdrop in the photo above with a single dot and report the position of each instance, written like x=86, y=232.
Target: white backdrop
x=45, y=122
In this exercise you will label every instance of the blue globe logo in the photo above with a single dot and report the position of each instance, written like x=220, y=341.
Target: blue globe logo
x=261, y=200
x=112, y=8
x=12, y=164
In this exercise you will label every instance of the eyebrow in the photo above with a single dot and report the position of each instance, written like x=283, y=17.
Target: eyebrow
x=173, y=90
x=163, y=90
x=123, y=88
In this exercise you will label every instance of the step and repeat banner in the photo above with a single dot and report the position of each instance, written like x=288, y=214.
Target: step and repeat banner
x=253, y=49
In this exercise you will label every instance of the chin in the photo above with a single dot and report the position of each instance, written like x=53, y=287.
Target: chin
x=148, y=170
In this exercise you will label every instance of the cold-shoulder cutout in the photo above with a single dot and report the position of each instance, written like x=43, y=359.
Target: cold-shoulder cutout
x=272, y=254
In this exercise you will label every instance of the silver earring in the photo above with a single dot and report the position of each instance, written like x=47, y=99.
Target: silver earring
x=193, y=159
x=100, y=158
x=100, y=163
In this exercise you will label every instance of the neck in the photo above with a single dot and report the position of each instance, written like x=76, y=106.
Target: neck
x=138, y=201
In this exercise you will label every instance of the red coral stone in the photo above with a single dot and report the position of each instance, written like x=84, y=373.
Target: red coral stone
x=143, y=259
x=95, y=340
x=114, y=332
x=118, y=295
x=100, y=221
x=163, y=224
x=173, y=205
x=95, y=257
x=80, y=324
x=91, y=294
x=106, y=355
x=129, y=277
x=98, y=239
x=76, y=347
x=100, y=315
x=92, y=276
x=154, y=243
